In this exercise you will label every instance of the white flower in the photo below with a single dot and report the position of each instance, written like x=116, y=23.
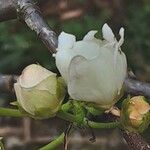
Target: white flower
x=93, y=69
x=39, y=92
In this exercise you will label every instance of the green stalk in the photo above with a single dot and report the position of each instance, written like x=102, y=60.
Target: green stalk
x=54, y=144
x=97, y=125
x=92, y=124
x=68, y=117
x=7, y=112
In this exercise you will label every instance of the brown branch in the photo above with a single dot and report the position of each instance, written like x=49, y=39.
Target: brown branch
x=7, y=83
x=135, y=141
x=135, y=87
x=8, y=10
x=30, y=13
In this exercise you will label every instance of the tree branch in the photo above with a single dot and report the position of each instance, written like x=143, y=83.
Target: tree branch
x=135, y=87
x=30, y=13
x=135, y=141
x=7, y=83
x=8, y=10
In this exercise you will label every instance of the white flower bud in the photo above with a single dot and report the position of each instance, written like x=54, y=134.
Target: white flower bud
x=39, y=92
x=93, y=69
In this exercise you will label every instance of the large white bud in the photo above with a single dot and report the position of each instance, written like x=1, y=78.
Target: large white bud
x=93, y=69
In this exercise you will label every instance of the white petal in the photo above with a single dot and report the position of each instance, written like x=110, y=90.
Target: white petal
x=91, y=80
x=32, y=75
x=63, y=59
x=107, y=33
x=65, y=40
x=78, y=87
x=121, y=33
x=90, y=35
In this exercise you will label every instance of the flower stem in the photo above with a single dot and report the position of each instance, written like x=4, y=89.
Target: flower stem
x=7, y=112
x=54, y=144
x=68, y=117
x=92, y=124
x=97, y=125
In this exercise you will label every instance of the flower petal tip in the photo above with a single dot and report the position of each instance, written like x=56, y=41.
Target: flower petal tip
x=90, y=35
x=121, y=33
x=54, y=55
x=108, y=35
x=65, y=40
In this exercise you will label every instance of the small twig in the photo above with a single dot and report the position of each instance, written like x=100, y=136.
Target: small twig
x=67, y=131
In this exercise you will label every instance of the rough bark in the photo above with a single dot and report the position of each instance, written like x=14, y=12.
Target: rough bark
x=29, y=12
x=135, y=141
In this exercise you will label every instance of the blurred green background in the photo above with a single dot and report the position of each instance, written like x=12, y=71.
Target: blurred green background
x=19, y=46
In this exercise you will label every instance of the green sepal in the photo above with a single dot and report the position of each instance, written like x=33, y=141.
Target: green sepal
x=94, y=111
x=79, y=111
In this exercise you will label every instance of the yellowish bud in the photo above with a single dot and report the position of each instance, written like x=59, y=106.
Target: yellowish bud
x=135, y=114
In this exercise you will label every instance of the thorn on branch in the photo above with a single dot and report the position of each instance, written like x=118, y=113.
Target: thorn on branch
x=67, y=132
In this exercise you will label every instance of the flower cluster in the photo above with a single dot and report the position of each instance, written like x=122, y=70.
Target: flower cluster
x=94, y=71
